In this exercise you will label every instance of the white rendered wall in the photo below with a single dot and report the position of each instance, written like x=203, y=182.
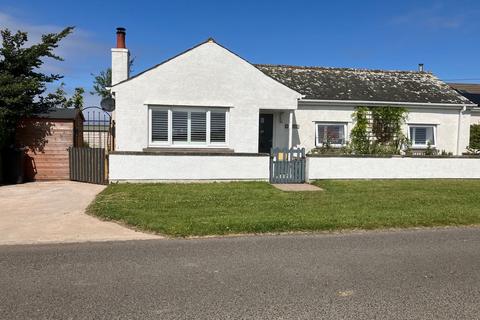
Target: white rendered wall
x=306, y=117
x=475, y=117
x=171, y=167
x=392, y=168
x=206, y=76
x=446, y=121
x=120, y=68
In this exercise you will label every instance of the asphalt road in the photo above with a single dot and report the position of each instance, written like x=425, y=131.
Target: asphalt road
x=427, y=274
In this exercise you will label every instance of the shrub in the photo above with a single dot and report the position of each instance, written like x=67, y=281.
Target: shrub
x=474, y=146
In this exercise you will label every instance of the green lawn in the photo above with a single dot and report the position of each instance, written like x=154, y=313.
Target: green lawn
x=256, y=207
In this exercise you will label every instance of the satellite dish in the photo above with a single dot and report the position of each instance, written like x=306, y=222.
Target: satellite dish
x=108, y=104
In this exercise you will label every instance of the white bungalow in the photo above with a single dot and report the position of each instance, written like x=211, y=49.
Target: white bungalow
x=209, y=101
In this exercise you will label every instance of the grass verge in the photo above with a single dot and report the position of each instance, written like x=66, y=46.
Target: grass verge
x=257, y=207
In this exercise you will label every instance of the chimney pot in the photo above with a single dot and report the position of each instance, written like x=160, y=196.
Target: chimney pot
x=420, y=67
x=121, y=38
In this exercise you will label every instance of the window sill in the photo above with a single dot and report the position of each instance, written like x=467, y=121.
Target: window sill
x=194, y=152
x=333, y=146
x=189, y=150
x=422, y=147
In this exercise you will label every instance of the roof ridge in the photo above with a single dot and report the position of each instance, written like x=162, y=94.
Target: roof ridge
x=341, y=68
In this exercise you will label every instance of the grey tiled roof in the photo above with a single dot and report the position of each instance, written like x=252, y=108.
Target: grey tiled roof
x=320, y=83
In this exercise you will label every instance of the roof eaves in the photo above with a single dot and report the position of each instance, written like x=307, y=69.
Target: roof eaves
x=386, y=103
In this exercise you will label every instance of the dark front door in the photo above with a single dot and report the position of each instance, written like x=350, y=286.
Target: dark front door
x=265, y=134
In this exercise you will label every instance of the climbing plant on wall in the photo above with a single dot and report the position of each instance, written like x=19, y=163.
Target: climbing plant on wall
x=360, y=140
x=378, y=130
x=474, y=146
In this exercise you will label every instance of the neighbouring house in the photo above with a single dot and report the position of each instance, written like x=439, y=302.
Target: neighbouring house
x=472, y=92
x=207, y=113
x=46, y=138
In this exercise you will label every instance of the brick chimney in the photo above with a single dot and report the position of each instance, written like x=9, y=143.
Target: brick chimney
x=120, y=58
x=121, y=32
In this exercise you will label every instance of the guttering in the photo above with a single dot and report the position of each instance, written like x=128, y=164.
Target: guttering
x=385, y=103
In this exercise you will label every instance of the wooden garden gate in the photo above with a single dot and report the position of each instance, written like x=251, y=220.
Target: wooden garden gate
x=89, y=161
x=287, y=165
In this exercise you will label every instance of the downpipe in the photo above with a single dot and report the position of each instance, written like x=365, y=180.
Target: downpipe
x=463, y=109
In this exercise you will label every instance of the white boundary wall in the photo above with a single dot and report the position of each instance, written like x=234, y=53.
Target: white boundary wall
x=142, y=167
x=151, y=167
x=392, y=168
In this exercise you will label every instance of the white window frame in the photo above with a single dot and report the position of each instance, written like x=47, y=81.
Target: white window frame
x=188, y=144
x=335, y=145
x=422, y=125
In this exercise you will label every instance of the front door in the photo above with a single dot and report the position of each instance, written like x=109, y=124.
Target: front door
x=265, y=134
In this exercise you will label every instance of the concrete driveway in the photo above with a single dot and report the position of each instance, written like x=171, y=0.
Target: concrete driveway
x=43, y=212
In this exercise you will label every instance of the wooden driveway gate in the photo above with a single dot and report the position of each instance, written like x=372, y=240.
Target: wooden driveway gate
x=89, y=161
x=287, y=165
x=88, y=165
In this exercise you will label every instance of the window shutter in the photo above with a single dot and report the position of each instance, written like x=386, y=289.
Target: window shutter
x=159, y=125
x=321, y=134
x=217, y=126
x=198, y=129
x=179, y=126
x=185, y=126
x=420, y=135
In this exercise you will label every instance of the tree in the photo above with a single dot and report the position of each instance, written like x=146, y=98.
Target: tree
x=22, y=85
x=76, y=101
x=59, y=98
x=103, y=81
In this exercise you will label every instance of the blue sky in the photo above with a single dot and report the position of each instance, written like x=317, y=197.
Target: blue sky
x=360, y=34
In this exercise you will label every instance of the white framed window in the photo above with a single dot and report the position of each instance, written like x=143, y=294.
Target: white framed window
x=331, y=133
x=421, y=135
x=188, y=126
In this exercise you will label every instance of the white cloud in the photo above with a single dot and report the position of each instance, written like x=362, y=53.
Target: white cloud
x=433, y=18
x=81, y=52
x=75, y=49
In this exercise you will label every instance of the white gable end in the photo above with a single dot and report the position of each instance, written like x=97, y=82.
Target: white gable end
x=210, y=73
x=205, y=76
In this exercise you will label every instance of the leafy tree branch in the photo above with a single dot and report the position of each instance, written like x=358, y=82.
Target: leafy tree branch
x=22, y=85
